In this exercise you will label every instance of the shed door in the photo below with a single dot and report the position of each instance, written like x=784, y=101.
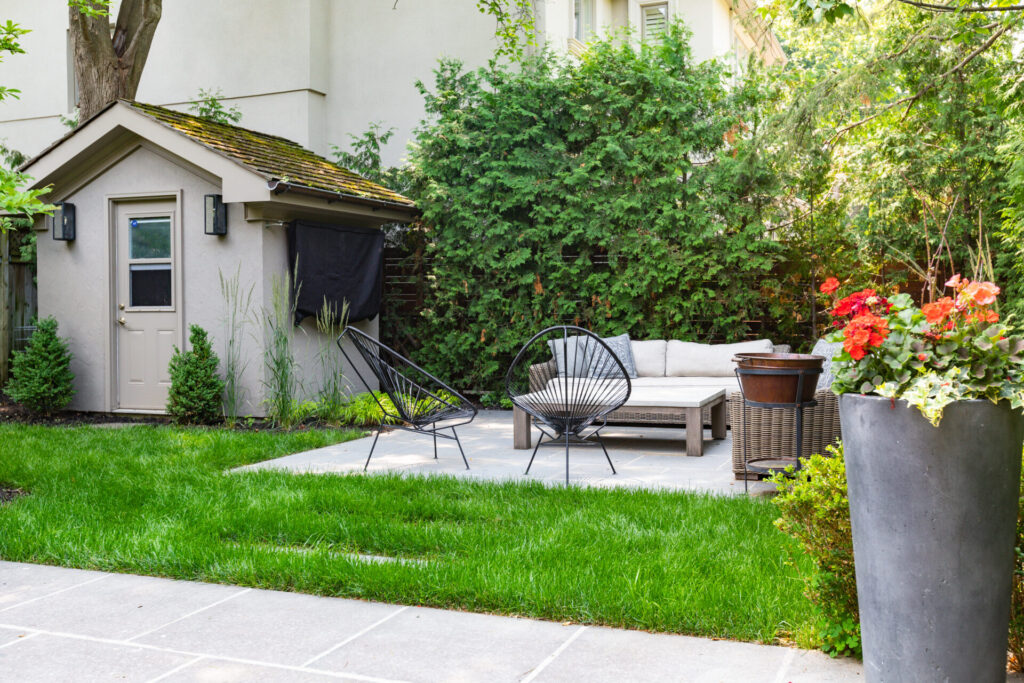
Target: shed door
x=146, y=314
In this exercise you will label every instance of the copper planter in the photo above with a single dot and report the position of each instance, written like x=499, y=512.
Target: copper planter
x=776, y=377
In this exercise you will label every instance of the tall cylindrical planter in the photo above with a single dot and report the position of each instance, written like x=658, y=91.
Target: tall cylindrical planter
x=933, y=511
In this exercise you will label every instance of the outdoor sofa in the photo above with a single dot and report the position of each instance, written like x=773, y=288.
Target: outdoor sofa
x=655, y=365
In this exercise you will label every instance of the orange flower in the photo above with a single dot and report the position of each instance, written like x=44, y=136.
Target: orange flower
x=981, y=293
x=830, y=285
x=922, y=357
x=863, y=332
x=937, y=312
x=954, y=281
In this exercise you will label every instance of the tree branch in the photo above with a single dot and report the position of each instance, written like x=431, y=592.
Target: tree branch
x=923, y=91
x=953, y=8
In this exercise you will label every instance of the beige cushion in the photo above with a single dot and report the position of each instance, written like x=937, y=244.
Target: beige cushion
x=689, y=359
x=728, y=383
x=649, y=357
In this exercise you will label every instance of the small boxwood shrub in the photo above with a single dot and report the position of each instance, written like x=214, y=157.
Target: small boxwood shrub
x=196, y=392
x=816, y=512
x=41, y=377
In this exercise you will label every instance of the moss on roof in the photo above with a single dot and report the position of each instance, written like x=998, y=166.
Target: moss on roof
x=271, y=156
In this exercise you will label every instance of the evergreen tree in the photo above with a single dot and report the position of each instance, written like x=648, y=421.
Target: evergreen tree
x=41, y=377
x=196, y=388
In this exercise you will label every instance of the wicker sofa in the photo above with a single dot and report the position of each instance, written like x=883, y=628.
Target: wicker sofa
x=660, y=364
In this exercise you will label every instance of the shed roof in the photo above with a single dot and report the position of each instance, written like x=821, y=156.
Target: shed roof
x=275, y=158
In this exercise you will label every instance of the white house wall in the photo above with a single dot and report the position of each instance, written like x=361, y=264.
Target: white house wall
x=313, y=71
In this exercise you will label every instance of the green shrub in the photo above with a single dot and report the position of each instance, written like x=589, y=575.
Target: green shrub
x=196, y=392
x=41, y=377
x=618, y=191
x=815, y=511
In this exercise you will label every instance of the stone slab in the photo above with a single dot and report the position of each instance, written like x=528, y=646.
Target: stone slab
x=21, y=583
x=271, y=626
x=57, y=659
x=118, y=607
x=616, y=656
x=648, y=457
x=220, y=671
x=423, y=644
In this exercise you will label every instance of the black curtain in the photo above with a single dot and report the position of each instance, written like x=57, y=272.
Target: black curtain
x=337, y=263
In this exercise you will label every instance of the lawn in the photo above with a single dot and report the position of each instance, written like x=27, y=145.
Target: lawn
x=158, y=500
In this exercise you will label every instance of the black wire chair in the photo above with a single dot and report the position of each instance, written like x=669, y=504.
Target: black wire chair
x=568, y=380
x=417, y=401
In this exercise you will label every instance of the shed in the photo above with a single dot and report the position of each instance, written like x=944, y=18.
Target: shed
x=146, y=190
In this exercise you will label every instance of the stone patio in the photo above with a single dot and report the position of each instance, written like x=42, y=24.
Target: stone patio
x=645, y=457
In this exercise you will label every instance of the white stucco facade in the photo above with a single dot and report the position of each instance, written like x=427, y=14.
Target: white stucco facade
x=314, y=71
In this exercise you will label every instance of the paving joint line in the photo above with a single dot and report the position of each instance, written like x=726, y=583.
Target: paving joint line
x=780, y=677
x=554, y=655
x=20, y=639
x=190, y=614
x=189, y=653
x=352, y=637
x=57, y=592
x=180, y=667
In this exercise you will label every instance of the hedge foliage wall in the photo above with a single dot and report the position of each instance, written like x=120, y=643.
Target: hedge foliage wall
x=616, y=193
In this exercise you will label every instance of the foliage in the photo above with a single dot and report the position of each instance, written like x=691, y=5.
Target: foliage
x=364, y=158
x=238, y=305
x=14, y=200
x=208, y=105
x=280, y=367
x=41, y=377
x=814, y=509
x=515, y=25
x=884, y=135
x=196, y=392
x=156, y=500
x=949, y=350
x=618, y=192
x=329, y=323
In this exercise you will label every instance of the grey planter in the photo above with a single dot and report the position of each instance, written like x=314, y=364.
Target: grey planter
x=934, y=512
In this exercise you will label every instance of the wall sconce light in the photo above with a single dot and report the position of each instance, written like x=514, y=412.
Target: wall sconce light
x=62, y=222
x=216, y=215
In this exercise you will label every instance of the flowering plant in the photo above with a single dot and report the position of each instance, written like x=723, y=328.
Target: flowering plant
x=953, y=349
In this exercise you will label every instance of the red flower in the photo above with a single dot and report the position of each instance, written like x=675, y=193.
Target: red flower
x=864, y=301
x=864, y=332
x=937, y=312
x=830, y=285
x=922, y=357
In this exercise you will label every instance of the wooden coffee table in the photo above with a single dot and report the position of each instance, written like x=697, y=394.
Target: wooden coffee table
x=692, y=400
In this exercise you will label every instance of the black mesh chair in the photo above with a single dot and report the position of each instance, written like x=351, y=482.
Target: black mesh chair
x=568, y=380
x=417, y=401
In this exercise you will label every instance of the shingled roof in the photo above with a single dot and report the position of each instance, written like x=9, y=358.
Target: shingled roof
x=273, y=157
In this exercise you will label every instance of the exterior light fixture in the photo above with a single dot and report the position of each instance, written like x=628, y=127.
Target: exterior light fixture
x=62, y=222
x=216, y=215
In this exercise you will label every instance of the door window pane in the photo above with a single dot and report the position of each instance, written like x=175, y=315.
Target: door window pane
x=150, y=284
x=150, y=237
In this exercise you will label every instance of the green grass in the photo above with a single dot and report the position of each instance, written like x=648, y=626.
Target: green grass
x=157, y=500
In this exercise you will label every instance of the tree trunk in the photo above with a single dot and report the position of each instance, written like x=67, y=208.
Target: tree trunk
x=108, y=65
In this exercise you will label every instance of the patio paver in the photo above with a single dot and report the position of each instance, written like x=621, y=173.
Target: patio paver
x=259, y=635
x=648, y=457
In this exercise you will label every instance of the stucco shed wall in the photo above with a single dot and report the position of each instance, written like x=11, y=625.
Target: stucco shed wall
x=76, y=279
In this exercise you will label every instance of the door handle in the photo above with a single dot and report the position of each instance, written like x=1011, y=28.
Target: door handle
x=121, y=321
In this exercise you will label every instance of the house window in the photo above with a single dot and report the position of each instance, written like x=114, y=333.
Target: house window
x=655, y=20
x=583, y=19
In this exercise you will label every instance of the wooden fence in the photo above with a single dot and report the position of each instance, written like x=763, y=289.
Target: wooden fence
x=18, y=302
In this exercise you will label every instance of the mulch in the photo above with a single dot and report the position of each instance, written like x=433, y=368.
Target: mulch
x=9, y=493
x=12, y=412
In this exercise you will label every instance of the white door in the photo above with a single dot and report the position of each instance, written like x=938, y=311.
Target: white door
x=146, y=315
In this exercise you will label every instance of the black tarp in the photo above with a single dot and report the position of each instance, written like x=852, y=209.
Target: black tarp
x=338, y=263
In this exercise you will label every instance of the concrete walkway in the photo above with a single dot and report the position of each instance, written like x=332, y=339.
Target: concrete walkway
x=70, y=625
x=644, y=457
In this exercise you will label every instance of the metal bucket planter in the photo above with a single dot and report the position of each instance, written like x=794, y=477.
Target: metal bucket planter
x=934, y=512
x=780, y=380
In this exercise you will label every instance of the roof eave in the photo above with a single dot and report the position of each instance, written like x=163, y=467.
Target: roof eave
x=280, y=187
